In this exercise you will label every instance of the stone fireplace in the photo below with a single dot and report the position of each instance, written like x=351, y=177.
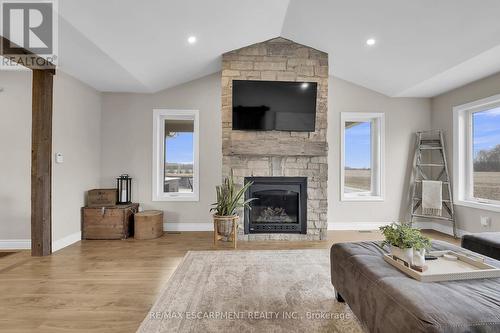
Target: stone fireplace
x=276, y=155
x=279, y=206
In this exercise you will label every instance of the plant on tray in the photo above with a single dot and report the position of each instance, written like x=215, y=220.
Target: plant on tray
x=421, y=245
x=406, y=243
x=229, y=199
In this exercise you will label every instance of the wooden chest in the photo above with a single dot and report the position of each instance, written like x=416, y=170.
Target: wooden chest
x=104, y=197
x=116, y=222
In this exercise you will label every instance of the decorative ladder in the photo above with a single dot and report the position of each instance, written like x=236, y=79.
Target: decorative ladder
x=425, y=168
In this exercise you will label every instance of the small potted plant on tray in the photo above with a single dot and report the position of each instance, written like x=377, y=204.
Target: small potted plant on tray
x=229, y=199
x=421, y=244
x=405, y=242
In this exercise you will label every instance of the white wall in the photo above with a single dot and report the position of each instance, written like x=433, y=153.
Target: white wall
x=127, y=125
x=97, y=151
x=76, y=133
x=98, y=147
x=15, y=152
x=403, y=117
x=127, y=146
x=468, y=219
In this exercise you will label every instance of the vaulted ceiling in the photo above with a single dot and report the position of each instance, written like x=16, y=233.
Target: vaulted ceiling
x=423, y=47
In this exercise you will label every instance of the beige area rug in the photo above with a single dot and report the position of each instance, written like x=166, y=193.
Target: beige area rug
x=251, y=291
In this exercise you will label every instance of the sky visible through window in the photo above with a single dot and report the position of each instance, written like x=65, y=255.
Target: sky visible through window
x=486, y=148
x=179, y=149
x=486, y=128
x=358, y=146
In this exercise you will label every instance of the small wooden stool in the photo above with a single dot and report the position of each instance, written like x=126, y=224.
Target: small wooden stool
x=148, y=224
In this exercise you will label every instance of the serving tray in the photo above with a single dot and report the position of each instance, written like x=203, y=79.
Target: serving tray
x=465, y=267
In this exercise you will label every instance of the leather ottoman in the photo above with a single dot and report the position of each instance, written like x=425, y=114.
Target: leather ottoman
x=485, y=243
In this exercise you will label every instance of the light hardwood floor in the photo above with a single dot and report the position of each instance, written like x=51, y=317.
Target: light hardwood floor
x=109, y=286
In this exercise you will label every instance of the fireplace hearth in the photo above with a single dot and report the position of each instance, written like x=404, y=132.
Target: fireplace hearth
x=280, y=205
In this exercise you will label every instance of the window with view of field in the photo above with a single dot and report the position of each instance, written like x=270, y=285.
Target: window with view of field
x=486, y=154
x=176, y=155
x=362, y=156
x=358, y=148
x=178, y=167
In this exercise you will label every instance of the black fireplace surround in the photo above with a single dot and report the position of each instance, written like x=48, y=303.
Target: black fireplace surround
x=280, y=205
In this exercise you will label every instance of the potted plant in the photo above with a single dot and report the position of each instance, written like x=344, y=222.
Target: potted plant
x=403, y=240
x=421, y=244
x=229, y=199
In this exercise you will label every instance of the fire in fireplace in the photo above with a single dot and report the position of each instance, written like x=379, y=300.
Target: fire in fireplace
x=280, y=205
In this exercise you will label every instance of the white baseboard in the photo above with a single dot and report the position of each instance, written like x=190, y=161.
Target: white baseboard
x=445, y=229
x=356, y=225
x=188, y=226
x=375, y=225
x=66, y=241
x=15, y=244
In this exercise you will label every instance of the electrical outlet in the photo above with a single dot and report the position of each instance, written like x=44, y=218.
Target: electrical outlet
x=485, y=221
x=59, y=158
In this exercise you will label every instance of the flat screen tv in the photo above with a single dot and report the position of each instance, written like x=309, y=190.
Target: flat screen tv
x=274, y=105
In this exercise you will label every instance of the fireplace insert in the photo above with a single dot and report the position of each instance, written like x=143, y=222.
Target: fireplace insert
x=280, y=205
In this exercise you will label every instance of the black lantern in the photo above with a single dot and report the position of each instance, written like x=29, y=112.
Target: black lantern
x=124, y=189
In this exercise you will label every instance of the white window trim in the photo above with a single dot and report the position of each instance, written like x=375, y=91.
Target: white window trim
x=378, y=155
x=159, y=116
x=462, y=153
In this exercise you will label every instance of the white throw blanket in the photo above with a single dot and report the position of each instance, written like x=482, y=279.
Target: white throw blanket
x=432, y=197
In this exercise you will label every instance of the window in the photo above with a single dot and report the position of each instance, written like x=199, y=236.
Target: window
x=477, y=153
x=362, y=143
x=175, y=155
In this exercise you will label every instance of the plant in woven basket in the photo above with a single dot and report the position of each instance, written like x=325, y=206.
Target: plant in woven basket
x=229, y=199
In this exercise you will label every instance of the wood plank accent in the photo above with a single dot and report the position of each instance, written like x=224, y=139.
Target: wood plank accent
x=269, y=147
x=41, y=163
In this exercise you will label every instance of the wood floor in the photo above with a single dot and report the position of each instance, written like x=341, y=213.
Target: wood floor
x=109, y=286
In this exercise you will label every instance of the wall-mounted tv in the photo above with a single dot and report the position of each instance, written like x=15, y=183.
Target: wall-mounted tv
x=274, y=105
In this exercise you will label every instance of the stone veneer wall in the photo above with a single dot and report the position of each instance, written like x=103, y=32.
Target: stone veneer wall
x=278, y=153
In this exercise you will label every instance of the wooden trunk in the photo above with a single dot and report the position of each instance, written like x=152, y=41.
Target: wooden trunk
x=102, y=197
x=148, y=224
x=115, y=222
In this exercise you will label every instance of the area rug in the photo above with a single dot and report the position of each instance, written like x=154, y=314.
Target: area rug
x=251, y=291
